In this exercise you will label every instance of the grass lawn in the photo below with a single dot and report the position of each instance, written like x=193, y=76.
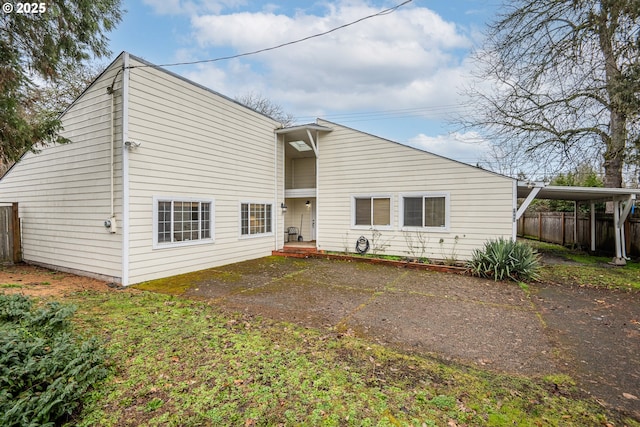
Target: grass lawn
x=588, y=270
x=179, y=362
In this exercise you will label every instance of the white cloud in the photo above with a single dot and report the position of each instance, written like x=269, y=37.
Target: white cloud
x=466, y=147
x=190, y=7
x=400, y=60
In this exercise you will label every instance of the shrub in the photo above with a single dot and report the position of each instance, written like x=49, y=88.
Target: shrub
x=44, y=368
x=503, y=258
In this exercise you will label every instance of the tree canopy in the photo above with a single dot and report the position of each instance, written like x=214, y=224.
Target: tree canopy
x=39, y=48
x=561, y=84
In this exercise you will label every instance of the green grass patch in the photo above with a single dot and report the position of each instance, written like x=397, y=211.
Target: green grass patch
x=180, y=362
x=10, y=285
x=623, y=278
x=588, y=270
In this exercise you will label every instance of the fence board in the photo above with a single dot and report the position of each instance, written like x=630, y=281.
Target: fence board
x=554, y=227
x=10, y=244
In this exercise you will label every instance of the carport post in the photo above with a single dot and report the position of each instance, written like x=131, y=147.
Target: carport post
x=618, y=260
x=593, y=226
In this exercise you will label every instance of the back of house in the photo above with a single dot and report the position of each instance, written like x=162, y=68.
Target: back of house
x=163, y=176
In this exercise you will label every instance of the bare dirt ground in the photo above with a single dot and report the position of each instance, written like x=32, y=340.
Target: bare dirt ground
x=591, y=334
x=43, y=283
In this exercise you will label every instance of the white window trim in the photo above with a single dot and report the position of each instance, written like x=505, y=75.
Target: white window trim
x=447, y=211
x=158, y=245
x=255, y=202
x=371, y=227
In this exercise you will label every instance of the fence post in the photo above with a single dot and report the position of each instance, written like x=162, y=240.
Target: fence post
x=15, y=230
x=562, y=226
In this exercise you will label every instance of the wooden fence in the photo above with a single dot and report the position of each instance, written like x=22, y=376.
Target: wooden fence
x=10, y=244
x=561, y=228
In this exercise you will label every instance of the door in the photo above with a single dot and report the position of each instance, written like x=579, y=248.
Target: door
x=313, y=221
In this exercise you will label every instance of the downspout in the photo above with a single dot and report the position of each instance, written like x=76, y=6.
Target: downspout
x=111, y=224
x=514, y=209
x=275, y=188
x=111, y=155
x=317, y=150
x=125, y=171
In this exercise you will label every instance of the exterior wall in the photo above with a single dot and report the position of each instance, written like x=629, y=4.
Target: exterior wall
x=64, y=191
x=353, y=163
x=301, y=173
x=197, y=144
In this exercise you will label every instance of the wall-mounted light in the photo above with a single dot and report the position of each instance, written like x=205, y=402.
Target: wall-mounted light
x=283, y=207
x=132, y=145
x=308, y=204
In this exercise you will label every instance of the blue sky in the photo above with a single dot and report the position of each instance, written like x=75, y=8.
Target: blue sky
x=398, y=76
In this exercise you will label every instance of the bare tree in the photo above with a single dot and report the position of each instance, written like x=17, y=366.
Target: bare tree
x=50, y=99
x=267, y=107
x=565, y=84
x=56, y=97
x=43, y=46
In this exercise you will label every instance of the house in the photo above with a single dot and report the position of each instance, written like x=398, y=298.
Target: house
x=164, y=176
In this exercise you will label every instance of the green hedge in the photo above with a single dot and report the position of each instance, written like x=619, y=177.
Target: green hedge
x=44, y=367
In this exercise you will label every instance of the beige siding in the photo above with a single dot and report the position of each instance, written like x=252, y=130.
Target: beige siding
x=302, y=173
x=64, y=191
x=196, y=144
x=353, y=163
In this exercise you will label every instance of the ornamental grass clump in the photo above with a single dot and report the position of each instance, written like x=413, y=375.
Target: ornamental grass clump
x=505, y=259
x=44, y=367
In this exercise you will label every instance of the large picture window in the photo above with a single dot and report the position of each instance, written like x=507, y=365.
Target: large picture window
x=426, y=211
x=182, y=221
x=255, y=218
x=372, y=211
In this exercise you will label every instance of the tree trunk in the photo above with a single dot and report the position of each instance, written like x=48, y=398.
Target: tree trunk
x=616, y=141
x=614, y=155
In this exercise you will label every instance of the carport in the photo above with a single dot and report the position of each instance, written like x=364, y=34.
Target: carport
x=623, y=200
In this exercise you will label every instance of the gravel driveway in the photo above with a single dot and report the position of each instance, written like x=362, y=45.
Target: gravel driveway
x=590, y=334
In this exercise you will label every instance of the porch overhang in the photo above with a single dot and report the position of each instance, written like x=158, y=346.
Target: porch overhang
x=306, y=134
x=623, y=199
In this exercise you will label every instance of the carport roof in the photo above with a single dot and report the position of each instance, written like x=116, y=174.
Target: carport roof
x=580, y=194
x=623, y=199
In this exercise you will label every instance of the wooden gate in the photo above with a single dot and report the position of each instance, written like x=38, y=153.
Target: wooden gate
x=10, y=244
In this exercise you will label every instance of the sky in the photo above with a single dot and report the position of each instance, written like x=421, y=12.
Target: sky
x=398, y=75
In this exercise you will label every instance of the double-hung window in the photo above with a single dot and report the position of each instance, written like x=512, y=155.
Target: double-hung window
x=372, y=211
x=255, y=218
x=182, y=221
x=429, y=211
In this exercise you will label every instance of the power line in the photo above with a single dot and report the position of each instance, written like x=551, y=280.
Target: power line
x=223, y=58
x=440, y=110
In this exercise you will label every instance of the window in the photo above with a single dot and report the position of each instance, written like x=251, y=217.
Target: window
x=255, y=218
x=182, y=221
x=426, y=211
x=372, y=211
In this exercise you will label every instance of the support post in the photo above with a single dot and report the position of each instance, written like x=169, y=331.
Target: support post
x=592, y=226
x=618, y=260
x=575, y=224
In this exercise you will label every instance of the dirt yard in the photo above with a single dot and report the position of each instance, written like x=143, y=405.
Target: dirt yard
x=44, y=283
x=591, y=334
